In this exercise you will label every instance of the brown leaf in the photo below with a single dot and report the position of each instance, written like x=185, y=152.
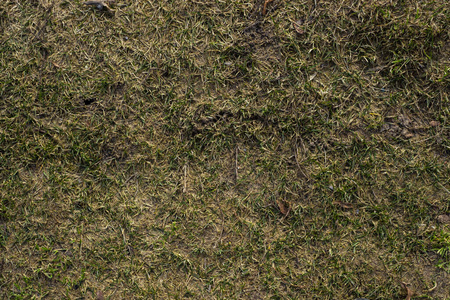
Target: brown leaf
x=297, y=27
x=409, y=292
x=284, y=207
x=343, y=204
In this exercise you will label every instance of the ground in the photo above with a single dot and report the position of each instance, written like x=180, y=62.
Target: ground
x=224, y=149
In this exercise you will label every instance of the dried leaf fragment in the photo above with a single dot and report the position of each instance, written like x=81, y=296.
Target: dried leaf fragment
x=409, y=292
x=56, y=65
x=434, y=123
x=343, y=204
x=297, y=27
x=284, y=207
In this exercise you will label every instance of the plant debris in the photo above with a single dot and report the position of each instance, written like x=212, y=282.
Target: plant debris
x=297, y=26
x=343, y=204
x=284, y=206
x=265, y=6
x=409, y=292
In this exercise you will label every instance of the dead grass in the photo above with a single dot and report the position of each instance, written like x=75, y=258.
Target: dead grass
x=206, y=150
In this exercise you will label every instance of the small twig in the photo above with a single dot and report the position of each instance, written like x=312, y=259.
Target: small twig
x=223, y=220
x=185, y=179
x=125, y=242
x=236, y=167
x=123, y=235
x=442, y=186
x=265, y=6
x=81, y=240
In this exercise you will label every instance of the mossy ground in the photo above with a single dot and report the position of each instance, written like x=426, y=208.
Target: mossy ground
x=201, y=149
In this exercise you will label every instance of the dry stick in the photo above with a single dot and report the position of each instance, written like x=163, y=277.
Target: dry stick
x=265, y=6
x=185, y=178
x=126, y=245
x=236, y=164
x=442, y=186
x=137, y=187
x=123, y=235
x=223, y=220
x=81, y=239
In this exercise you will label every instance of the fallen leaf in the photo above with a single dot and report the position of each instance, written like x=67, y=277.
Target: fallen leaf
x=284, y=207
x=409, y=292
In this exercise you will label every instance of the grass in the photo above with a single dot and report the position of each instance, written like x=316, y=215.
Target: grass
x=174, y=149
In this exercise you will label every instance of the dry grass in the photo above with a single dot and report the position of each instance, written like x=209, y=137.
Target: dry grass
x=173, y=149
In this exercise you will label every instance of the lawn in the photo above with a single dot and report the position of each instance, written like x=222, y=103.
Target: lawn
x=224, y=149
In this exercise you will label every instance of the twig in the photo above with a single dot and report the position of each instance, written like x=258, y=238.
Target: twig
x=265, y=6
x=236, y=167
x=123, y=235
x=223, y=220
x=185, y=179
x=442, y=186
x=125, y=242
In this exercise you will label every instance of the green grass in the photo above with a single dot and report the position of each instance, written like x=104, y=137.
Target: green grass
x=175, y=149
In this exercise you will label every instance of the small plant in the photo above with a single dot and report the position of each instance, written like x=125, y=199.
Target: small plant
x=441, y=245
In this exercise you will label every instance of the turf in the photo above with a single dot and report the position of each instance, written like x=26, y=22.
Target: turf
x=216, y=150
